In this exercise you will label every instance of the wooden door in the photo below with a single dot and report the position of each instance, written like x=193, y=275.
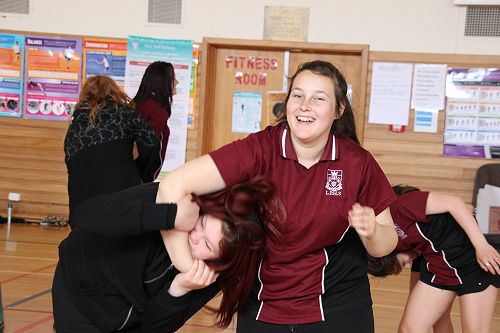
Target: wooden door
x=231, y=68
x=239, y=72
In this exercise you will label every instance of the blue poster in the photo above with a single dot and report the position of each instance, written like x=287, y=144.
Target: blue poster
x=105, y=57
x=11, y=74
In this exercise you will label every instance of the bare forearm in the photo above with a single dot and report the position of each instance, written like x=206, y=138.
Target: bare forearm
x=198, y=176
x=176, y=243
x=439, y=202
x=382, y=242
x=376, y=232
x=468, y=223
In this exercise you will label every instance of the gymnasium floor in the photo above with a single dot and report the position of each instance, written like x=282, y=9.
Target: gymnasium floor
x=28, y=256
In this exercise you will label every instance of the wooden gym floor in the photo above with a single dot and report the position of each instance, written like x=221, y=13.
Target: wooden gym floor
x=28, y=256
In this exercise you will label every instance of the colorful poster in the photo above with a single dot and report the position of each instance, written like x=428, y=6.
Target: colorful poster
x=105, y=57
x=472, y=112
x=141, y=52
x=11, y=74
x=193, y=89
x=52, y=77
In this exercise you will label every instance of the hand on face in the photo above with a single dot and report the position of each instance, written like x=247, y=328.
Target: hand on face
x=199, y=276
x=187, y=214
x=362, y=219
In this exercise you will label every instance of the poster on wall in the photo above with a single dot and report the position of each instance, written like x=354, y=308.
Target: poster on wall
x=429, y=81
x=11, y=74
x=247, y=112
x=193, y=87
x=105, y=57
x=472, y=126
x=390, y=93
x=52, y=77
x=141, y=52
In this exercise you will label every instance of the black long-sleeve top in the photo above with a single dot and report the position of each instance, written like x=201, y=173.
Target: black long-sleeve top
x=117, y=269
x=100, y=159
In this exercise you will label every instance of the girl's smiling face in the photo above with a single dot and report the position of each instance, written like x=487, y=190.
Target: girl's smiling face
x=311, y=107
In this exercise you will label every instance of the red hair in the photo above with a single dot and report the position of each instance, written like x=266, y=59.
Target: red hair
x=250, y=211
x=98, y=90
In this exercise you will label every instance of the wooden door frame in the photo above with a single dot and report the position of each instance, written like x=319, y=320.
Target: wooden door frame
x=209, y=49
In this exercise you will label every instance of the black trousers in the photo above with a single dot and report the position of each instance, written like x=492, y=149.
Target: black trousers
x=67, y=318
x=356, y=322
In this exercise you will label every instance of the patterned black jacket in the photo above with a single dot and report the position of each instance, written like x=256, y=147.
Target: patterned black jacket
x=100, y=159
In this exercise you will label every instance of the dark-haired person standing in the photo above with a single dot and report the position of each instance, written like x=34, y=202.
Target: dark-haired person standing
x=154, y=99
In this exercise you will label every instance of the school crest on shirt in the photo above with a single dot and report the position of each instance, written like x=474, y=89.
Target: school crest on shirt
x=401, y=233
x=333, y=182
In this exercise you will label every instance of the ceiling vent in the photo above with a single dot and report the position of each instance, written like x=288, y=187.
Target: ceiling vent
x=482, y=21
x=164, y=11
x=17, y=7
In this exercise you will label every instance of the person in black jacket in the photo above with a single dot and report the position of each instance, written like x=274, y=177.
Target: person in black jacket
x=99, y=144
x=116, y=273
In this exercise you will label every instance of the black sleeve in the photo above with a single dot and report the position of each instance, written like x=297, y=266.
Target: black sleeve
x=148, y=144
x=126, y=213
x=165, y=313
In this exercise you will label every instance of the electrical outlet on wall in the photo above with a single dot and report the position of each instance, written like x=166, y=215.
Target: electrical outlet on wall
x=14, y=196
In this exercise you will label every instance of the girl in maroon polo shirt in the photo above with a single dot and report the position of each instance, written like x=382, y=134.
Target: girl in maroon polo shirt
x=337, y=200
x=154, y=99
x=457, y=260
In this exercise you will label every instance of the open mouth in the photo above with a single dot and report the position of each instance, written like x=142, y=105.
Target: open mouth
x=305, y=119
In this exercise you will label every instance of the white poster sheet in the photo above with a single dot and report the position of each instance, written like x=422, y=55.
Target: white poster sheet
x=429, y=83
x=247, y=112
x=390, y=93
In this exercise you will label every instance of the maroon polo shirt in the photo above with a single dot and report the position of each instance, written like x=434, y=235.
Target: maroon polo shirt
x=156, y=115
x=438, y=240
x=319, y=270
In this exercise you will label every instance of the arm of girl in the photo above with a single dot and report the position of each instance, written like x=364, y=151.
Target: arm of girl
x=176, y=243
x=167, y=313
x=487, y=256
x=198, y=176
x=376, y=232
x=197, y=277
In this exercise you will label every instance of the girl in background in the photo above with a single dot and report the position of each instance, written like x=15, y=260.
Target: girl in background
x=457, y=261
x=154, y=99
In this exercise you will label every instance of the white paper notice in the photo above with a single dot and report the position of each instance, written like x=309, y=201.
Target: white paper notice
x=429, y=83
x=247, y=112
x=426, y=121
x=390, y=93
